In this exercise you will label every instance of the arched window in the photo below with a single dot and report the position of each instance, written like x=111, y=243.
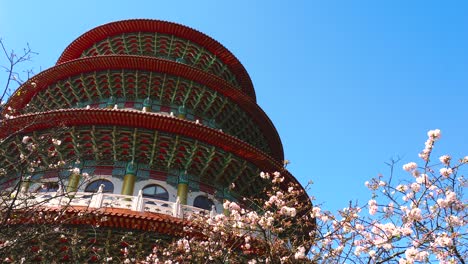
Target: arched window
x=155, y=191
x=94, y=186
x=48, y=187
x=203, y=202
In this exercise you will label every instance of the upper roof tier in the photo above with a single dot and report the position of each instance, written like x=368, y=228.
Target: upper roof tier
x=164, y=40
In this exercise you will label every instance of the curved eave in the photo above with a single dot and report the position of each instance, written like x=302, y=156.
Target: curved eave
x=152, y=121
x=115, y=218
x=86, y=41
x=27, y=91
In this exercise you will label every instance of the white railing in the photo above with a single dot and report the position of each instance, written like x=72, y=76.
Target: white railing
x=99, y=199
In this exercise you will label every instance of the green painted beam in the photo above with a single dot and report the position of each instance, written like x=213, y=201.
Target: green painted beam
x=153, y=147
x=187, y=94
x=173, y=152
x=76, y=93
x=199, y=98
x=198, y=57
x=98, y=90
x=150, y=84
x=161, y=90
x=94, y=144
x=226, y=162
x=213, y=98
x=134, y=143
x=42, y=154
x=64, y=96
x=140, y=44
x=191, y=155
x=228, y=117
x=240, y=172
x=110, y=45
x=114, y=142
x=95, y=47
x=174, y=91
x=187, y=44
x=155, y=49
x=124, y=41
x=122, y=76
x=208, y=160
x=137, y=74
x=169, y=50
x=90, y=97
x=210, y=63
x=75, y=141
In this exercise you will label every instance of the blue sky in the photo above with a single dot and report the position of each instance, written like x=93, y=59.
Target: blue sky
x=348, y=84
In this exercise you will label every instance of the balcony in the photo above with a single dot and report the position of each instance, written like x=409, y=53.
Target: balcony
x=101, y=200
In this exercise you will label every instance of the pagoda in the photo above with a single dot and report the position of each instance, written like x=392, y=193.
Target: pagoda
x=157, y=121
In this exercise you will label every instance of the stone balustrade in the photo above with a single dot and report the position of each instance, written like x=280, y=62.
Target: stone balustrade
x=99, y=199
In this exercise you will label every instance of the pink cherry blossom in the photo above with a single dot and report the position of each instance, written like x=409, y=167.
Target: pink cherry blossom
x=445, y=159
x=445, y=172
x=410, y=166
x=372, y=207
x=435, y=134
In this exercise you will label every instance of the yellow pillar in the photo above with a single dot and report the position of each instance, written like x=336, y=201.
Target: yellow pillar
x=73, y=182
x=128, y=184
x=129, y=179
x=182, y=191
x=182, y=188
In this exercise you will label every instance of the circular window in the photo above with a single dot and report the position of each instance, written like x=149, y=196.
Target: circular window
x=156, y=192
x=94, y=186
x=203, y=202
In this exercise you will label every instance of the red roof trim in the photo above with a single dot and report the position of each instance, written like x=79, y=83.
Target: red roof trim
x=151, y=121
x=116, y=218
x=86, y=41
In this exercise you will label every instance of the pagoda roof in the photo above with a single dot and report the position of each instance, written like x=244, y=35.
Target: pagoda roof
x=147, y=120
x=114, y=218
x=41, y=81
x=88, y=39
